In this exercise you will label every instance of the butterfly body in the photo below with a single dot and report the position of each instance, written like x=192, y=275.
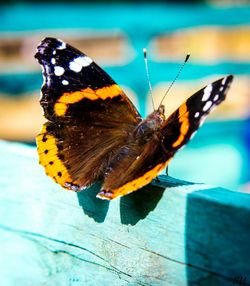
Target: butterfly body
x=148, y=127
x=94, y=132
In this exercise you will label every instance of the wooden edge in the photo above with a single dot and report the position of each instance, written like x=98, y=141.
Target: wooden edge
x=169, y=233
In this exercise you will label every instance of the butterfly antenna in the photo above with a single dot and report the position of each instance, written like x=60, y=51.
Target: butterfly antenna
x=178, y=74
x=147, y=72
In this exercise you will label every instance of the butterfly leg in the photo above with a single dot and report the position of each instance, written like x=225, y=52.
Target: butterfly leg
x=166, y=152
x=167, y=171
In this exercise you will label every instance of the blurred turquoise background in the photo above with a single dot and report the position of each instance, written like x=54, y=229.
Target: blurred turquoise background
x=114, y=34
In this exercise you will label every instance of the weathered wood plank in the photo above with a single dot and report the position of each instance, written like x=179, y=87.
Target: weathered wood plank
x=169, y=233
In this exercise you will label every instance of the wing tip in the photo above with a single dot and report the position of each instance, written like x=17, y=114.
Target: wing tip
x=229, y=78
x=226, y=80
x=47, y=46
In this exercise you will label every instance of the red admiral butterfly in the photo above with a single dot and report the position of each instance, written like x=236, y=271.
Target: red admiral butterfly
x=94, y=132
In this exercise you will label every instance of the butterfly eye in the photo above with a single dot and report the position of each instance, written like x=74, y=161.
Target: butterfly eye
x=161, y=111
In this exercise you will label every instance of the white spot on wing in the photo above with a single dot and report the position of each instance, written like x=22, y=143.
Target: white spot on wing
x=224, y=81
x=62, y=45
x=83, y=61
x=59, y=71
x=216, y=97
x=197, y=114
x=207, y=105
x=207, y=92
x=78, y=63
x=54, y=52
x=65, y=82
x=75, y=67
x=53, y=61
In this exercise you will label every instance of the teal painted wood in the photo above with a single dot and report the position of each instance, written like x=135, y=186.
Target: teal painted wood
x=169, y=233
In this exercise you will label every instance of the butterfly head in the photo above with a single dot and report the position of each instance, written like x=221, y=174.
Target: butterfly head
x=155, y=119
x=151, y=124
x=161, y=111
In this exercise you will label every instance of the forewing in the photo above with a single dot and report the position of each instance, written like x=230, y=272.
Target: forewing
x=75, y=87
x=184, y=122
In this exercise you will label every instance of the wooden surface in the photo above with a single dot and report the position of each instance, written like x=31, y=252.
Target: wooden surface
x=169, y=233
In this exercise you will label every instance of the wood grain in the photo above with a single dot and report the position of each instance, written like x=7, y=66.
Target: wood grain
x=170, y=233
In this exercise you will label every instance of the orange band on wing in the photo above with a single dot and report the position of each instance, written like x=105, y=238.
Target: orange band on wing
x=182, y=110
x=183, y=119
x=48, y=156
x=133, y=185
x=68, y=98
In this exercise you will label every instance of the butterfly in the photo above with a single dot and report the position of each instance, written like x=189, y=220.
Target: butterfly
x=95, y=133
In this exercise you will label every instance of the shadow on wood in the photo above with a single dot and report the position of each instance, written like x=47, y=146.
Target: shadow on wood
x=136, y=206
x=92, y=206
x=133, y=207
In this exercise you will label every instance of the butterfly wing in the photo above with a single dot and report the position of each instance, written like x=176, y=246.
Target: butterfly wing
x=89, y=115
x=184, y=122
x=142, y=164
x=75, y=87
